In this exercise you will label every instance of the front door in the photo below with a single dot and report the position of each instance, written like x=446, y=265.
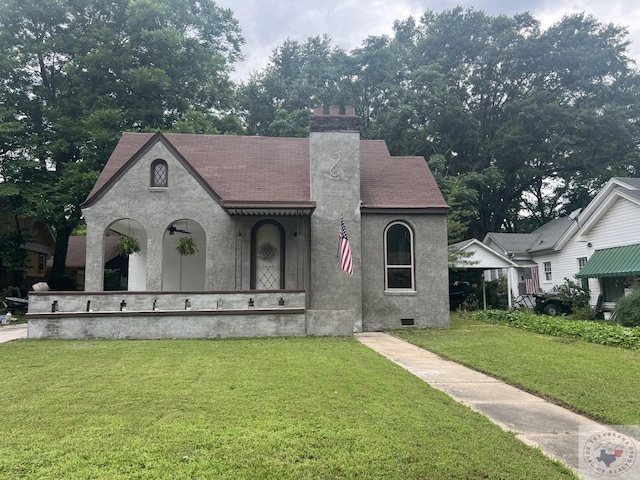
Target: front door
x=268, y=256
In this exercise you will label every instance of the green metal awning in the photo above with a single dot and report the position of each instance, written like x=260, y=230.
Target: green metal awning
x=612, y=262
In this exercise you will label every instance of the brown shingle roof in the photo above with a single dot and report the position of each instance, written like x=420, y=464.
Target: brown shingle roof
x=77, y=250
x=396, y=182
x=276, y=169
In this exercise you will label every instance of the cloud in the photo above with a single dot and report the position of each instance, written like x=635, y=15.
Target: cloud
x=266, y=24
x=623, y=13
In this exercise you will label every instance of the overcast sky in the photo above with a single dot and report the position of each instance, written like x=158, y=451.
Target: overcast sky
x=266, y=24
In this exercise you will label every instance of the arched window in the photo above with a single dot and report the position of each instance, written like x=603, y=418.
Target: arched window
x=159, y=173
x=398, y=257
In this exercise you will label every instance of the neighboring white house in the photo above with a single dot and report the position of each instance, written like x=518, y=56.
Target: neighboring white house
x=478, y=256
x=599, y=245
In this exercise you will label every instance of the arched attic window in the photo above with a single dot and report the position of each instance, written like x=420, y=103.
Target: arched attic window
x=159, y=173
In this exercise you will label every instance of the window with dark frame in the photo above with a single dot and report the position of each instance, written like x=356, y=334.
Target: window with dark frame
x=547, y=271
x=159, y=173
x=42, y=262
x=584, y=282
x=399, y=262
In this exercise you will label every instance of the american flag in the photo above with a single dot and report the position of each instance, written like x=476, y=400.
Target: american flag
x=346, y=262
x=531, y=280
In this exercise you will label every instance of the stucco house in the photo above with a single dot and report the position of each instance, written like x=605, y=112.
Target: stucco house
x=599, y=245
x=265, y=215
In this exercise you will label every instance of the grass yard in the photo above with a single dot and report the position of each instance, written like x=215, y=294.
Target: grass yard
x=239, y=409
x=599, y=381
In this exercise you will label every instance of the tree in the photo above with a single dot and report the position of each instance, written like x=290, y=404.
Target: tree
x=300, y=76
x=522, y=124
x=77, y=74
x=525, y=123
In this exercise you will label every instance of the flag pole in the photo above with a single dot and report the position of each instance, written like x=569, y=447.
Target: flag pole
x=339, y=239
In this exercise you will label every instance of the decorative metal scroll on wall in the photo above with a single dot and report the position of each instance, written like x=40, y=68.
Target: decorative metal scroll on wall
x=334, y=171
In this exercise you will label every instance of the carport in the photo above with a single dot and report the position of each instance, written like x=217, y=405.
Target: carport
x=477, y=256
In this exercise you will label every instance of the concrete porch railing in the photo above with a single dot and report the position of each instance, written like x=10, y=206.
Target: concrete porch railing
x=156, y=315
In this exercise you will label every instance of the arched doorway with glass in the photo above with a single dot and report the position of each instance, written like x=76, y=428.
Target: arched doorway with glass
x=267, y=256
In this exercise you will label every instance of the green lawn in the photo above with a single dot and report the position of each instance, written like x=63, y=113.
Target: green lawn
x=239, y=409
x=599, y=381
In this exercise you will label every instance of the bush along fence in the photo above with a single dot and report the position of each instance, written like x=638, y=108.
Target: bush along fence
x=612, y=335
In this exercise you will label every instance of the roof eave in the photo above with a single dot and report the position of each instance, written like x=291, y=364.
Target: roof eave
x=406, y=210
x=246, y=207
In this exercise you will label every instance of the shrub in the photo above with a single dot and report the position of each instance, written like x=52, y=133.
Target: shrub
x=10, y=292
x=573, y=293
x=497, y=293
x=628, y=309
x=595, y=332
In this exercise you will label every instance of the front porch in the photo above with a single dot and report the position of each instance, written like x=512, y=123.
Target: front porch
x=164, y=315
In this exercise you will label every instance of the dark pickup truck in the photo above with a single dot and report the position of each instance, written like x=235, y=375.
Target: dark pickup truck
x=550, y=304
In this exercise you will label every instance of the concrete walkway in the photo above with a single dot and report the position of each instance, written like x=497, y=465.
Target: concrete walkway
x=535, y=421
x=13, y=332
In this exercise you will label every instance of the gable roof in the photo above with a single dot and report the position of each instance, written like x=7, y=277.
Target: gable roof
x=556, y=233
x=482, y=257
x=77, y=250
x=616, y=188
x=510, y=242
x=550, y=233
x=263, y=171
x=543, y=238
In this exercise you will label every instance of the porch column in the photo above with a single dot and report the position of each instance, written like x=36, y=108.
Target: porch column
x=94, y=263
x=509, y=289
x=154, y=260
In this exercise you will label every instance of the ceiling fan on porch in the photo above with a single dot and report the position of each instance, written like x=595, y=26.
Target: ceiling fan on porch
x=172, y=229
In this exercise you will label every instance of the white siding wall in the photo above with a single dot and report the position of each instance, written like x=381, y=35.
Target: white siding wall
x=619, y=226
x=482, y=258
x=564, y=264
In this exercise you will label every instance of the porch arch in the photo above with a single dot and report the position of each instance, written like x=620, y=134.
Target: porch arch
x=183, y=272
x=124, y=271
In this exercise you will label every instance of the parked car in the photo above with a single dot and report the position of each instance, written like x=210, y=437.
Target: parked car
x=462, y=295
x=550, y=304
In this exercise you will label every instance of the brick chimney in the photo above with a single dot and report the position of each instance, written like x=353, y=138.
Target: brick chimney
x=334, y=121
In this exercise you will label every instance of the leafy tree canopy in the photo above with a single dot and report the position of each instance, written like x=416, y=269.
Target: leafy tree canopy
x=75, y=75
x=519, y=124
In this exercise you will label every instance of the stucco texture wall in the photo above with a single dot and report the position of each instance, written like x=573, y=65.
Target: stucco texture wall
x=428, y=306
x=157, y=208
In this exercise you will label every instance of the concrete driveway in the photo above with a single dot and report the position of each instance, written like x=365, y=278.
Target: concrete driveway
x=13, y=332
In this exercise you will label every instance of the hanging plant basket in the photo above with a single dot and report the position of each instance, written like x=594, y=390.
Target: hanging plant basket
x=186, y=246
x=127, y=245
